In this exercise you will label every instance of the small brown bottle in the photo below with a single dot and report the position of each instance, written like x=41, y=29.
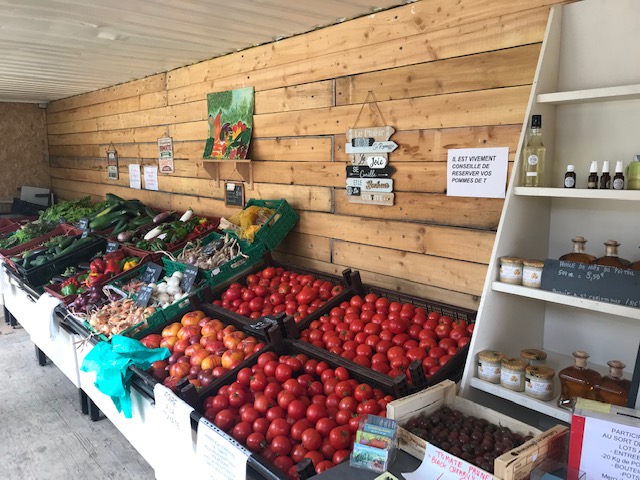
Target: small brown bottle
x=611, y=258
x=592, y=181
x=613, y=388
x=605, y=178
x=577, y=381
x=570, y=177
x=618, y=179
x=578, y=254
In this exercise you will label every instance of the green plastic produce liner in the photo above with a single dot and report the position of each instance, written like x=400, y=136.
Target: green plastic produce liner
x=111, y=363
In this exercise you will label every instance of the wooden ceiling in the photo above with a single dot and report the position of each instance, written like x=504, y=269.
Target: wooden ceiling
x=52, y=49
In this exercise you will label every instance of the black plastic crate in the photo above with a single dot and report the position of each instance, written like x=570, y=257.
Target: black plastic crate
x=452, y=370
x=268, y=261
x=38, y=276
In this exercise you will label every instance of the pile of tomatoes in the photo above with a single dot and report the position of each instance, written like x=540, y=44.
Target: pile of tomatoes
x=289, y=408
x=387, y=336
x=202, y=349
x=275, y=290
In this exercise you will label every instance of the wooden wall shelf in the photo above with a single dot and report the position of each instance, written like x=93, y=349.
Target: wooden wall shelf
x=242, y=167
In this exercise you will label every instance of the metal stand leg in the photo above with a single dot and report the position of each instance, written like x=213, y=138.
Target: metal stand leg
x=7, y=319
x=94, y=411
x=42, y=358
x=84, y=401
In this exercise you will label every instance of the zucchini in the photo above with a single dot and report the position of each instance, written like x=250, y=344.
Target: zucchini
x=112, y=198
x=66, y=242
x=120, y=226
x=80, y=242
x=106, y=221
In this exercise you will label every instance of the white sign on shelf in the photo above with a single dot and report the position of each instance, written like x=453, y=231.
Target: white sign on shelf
x=151, y=177
x=477, y=172
x=134, y=176
x=219, y=457
x=441, y=465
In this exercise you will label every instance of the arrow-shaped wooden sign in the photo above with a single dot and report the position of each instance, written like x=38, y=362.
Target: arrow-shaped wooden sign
x=387, y=147
x=355, y=171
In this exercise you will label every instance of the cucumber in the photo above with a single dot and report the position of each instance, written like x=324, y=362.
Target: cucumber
x=106, y=221
x=66, y=242
x=80, y=242
x=112, y=198
x=120, y=226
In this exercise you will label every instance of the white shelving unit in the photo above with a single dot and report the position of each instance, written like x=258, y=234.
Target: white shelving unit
x=587, y=89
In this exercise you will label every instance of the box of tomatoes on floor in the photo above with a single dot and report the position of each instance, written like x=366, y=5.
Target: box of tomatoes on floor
x=292, y=404
x=452, y=434
x=394, y=333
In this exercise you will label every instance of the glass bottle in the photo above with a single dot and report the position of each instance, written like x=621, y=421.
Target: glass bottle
x=577, y=381
x=570, y=177
x=618, y=179
x=605, y=178
x=533, y=155
x=613, y=388
x=592, y=181
x=578, y=254
x=611, y=258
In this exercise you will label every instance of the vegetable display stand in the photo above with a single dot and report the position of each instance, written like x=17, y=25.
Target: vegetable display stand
x=39, y=275
x=279, y=224
x=404, y=328
x=250, y=255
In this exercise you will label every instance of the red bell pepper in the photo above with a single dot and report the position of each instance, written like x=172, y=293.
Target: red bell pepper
x=70, y=281
x=97, y=266
x=113, y=267
x=115, y=255
x=95, y=279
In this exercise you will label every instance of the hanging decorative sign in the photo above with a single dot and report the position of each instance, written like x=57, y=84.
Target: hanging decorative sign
x=355, y=171
x=376, y=161
x=165, y=155
x=385, y=199
x=386, y=147
x=112, y=162
x=233, y=194
x=371, y=185
x=353, y=191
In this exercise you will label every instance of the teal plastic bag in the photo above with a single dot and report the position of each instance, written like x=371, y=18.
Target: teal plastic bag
x=111, y=362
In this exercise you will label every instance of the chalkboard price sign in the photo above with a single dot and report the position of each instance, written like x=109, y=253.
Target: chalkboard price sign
x=144, y=295
x=152, y=273
x=592, y=282
x=189, y=278
x=112, y=246
x=234, y=194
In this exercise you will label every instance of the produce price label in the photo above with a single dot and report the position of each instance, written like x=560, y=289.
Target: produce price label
x=85, y=234
x=83, y=224
x=219, y=456
x=144, y=295
x=173, y=417
x=189, y=278
x=477, y=172
x=152, y=273
x=112, y=246
x=440, y=465
x=135, y=180
x=151, y=177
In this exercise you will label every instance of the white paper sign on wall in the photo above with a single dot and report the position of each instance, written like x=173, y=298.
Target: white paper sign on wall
x=477, y=172
x=134, y=176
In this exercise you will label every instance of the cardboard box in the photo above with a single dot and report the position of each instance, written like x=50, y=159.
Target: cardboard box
x=605, y=441
x=513, y=465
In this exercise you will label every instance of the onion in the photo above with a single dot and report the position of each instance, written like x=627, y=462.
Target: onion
x=177, y=274
x=173, y=281
x=153, y=286
x=174, y=290
x=162, y=288
x=164, y=298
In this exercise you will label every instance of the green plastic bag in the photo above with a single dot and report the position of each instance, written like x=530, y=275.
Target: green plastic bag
x=111, y=363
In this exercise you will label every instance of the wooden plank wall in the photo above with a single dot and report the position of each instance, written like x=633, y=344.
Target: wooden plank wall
x=445, y=73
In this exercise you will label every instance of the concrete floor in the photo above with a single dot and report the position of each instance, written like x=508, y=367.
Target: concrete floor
x=45, y=436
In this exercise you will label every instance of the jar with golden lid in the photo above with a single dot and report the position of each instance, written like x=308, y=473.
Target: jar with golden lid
x=512, y=373
x=489, y=362
x=533, y=356
x=532, y=273
x=539, y=382
x=511, y=270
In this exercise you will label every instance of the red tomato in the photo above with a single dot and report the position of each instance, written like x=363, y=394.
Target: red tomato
x=325, y=425
x=330, y=385
x=224, y=420
x=242, y=431
x=285, y=399
x=311, y=439
x=283, y=462
x=272, y=389
x=256, y=442
x=340, y=456
x=363, y=392
x=463, y=341
x=348, y=403
x=442, y=330
x=445, y=320
x=444, y=359
x=343, y=389
x=279, y=426
x=416, y=353
x=275, y=412
x=281, y=445
x=258, y=382
x=362, y=360
x=381, y=367
x=470, y=328
x=354, y=424
x=398, y=325
x=261, y=425
x=296, y=410
x=340, y=438
x=457, y=333
x=283, y=372
x=237, y=398
x=343, y=416
x=299, y=427
x=249, y=415
x=298, y=452
x=427, y=363
x=314, y=413
x=447, y=342
x=437, y=352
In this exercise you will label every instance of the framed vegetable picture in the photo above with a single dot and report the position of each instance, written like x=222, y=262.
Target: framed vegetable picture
x=230, y=123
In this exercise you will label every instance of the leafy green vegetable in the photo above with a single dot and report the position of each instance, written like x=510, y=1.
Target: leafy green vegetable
x=26, y=233
x=70, y=210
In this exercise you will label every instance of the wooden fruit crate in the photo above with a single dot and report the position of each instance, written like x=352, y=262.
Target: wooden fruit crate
x=513, y=465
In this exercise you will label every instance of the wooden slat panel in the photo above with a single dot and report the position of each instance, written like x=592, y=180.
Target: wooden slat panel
x=329, y=174
x=483, y=213
x=432, y=145
x=502, y=68
x=444, y=273
x=449, y=242
x=77, y=175
x=497, y=33
x=308, y=246
x=295, y=149
x=296, y=97
x=399, y=23
x=408, y=287
x=487, y=107
x=127, y=135
x=90, y=125
x=74, y=150
x=154, y=83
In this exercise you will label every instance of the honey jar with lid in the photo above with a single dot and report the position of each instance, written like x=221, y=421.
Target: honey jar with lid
x=533, y=356
x=511, y=270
